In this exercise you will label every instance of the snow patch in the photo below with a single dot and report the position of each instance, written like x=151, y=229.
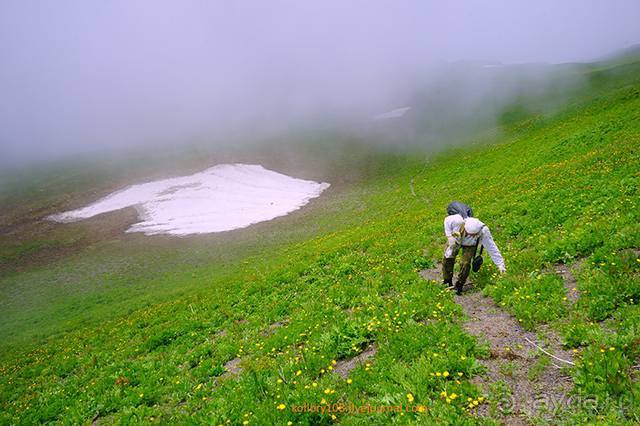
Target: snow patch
x=221, y=198
x=395, y=113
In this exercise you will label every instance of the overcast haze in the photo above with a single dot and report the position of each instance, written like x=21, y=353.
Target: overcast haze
x=76, y=76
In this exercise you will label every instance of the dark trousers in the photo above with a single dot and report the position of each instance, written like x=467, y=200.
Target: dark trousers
x=468, y=252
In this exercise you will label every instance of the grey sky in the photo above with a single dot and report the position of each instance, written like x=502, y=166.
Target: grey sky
x=76, y=75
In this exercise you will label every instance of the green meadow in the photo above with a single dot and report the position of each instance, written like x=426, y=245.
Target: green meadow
x=106, y=327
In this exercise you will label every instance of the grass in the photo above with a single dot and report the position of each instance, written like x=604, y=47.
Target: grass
x=138, y=330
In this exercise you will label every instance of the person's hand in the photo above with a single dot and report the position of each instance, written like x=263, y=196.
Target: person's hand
x=452, y=241
x=502, y=269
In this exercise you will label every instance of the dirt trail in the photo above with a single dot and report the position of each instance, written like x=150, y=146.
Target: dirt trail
x=521, y=381
x=570, y=283
x=344, y=367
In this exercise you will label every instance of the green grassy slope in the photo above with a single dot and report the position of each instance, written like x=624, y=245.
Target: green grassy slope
x=151, y=344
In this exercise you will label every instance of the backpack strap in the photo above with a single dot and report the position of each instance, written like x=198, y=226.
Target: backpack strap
x=478, y=242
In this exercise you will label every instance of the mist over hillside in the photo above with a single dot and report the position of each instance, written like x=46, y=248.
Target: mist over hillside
x=93, y=77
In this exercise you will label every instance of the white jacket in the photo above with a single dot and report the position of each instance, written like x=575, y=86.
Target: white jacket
x=485, y=239
x=452, y=226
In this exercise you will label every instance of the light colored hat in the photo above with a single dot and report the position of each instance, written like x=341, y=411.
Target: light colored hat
x=472, y=225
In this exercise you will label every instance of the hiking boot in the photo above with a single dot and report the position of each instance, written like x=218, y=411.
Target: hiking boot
x=447, y=283
x=459, y=287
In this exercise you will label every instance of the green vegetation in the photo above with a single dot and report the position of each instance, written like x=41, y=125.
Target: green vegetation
x=138, y=329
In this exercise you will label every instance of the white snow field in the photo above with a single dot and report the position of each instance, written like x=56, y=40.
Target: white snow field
x=221, y=198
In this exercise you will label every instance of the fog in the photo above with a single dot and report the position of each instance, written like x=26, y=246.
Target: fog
x=89, y=76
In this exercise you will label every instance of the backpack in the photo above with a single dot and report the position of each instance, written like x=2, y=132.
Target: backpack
x=456, y=207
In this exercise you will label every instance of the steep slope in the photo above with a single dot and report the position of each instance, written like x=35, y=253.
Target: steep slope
x=259, y=343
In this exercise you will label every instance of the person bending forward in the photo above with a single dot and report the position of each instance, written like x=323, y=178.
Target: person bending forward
x=467, y=234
